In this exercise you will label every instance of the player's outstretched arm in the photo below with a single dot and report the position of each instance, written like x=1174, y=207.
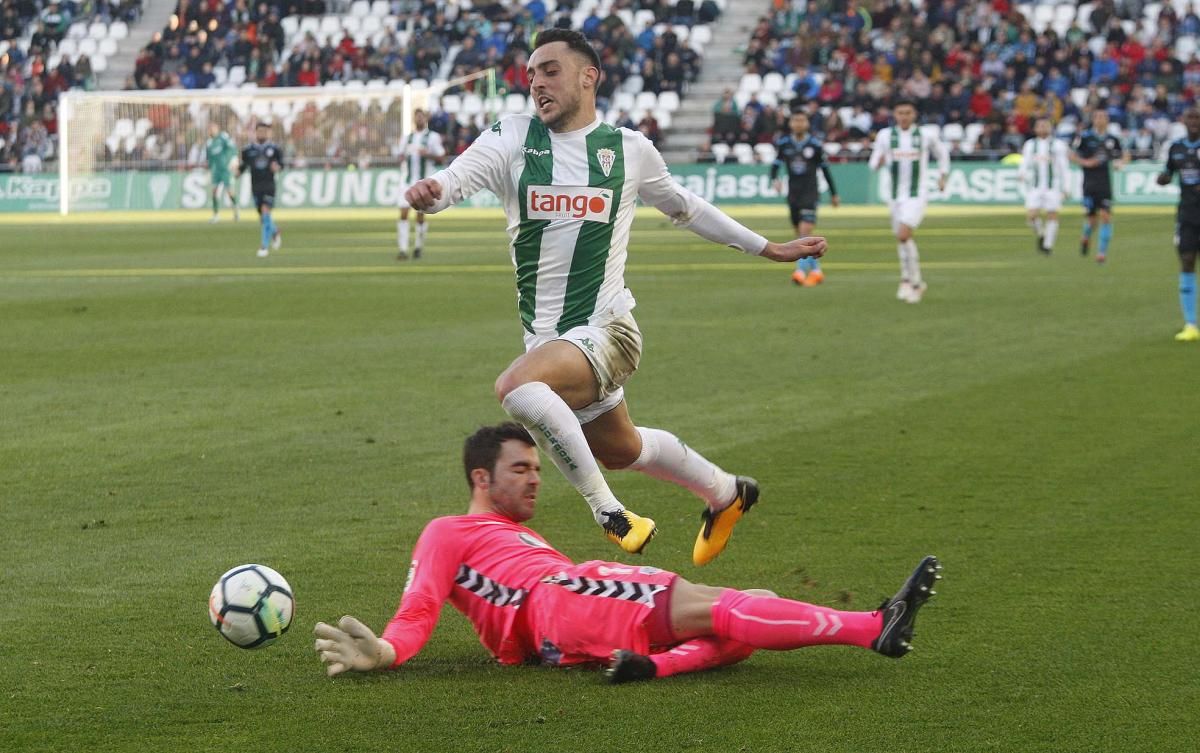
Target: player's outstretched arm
x=351, y=646
x=812, y=246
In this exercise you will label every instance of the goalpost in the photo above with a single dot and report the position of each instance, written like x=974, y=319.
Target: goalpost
x=107, y=138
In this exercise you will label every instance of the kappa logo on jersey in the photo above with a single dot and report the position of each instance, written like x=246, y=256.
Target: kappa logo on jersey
x=568, y=203
x=528, y=540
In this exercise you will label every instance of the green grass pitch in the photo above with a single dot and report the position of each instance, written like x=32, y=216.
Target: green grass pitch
x=171, y=406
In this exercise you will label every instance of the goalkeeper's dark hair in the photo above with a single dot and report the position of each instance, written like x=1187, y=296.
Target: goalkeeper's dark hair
x=483, y=447
x=575, y=41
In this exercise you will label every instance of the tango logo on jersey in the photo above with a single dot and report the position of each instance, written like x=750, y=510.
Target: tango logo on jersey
x=568, y=203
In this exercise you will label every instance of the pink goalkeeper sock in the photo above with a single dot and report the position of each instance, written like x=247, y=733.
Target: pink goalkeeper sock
x=782, y=624
x=699, y=654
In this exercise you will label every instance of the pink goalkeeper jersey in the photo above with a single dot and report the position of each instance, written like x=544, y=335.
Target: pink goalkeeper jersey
x=485, y=565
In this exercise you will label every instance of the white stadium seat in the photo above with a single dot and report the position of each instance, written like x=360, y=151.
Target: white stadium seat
x=237, y=74
x=118, y=30
x=68, y=48
x=773, y=82
x=953, y=133
x=98, y=31
x=645, y=101
x=78, y=30
x=451, y=103
x=472, y=104
x=360, y=8
x=108, y=47
x=99, y=63
x=720, y=152
x=380, y=8
x=700, y=35
x=765, y=153
x=88, y=46
x=668, y=101
x=622, y=101
x=751, y=82
x=744, y=153
x=514, y=103
x=664, y=118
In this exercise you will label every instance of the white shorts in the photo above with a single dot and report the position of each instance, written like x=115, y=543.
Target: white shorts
x=909, y=211
x=1044, y=199
x=614, y=351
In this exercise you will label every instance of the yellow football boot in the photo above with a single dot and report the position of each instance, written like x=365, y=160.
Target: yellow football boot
x=717, y=527
x=629, y=531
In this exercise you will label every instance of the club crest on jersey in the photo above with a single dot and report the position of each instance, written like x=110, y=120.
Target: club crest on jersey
x=568, y=203
x=606, y=157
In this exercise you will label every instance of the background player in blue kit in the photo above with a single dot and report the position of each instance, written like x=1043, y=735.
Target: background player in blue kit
x=1183, y=158
x=1095, y=150
x=801, y=154
x=264, y=159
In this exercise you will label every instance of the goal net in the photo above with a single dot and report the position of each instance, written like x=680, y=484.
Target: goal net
x=150, y=145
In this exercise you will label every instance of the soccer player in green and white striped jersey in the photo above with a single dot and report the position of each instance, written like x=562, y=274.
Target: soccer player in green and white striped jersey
x=1044, y=164
x=904, y=149
x=568, y=184
x=420, y=152
x=220, y=152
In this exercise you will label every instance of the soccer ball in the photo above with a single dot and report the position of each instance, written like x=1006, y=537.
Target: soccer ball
x=251, y=606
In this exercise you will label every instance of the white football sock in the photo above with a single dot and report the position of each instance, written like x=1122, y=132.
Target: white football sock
x=420, y=235
x=664, y=456
x=902, y=253
x=914, y=262
x=557, y=432
x=1051, y=233
x=1037, y=226
x=402, y=231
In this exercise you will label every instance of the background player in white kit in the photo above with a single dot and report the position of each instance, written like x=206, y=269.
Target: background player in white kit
x=1045, y=162
x=569, y=184
x=420, y=153
x=905, y=150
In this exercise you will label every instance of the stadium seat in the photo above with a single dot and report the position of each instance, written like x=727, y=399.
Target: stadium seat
x=376, y=83
x=98, y=31
x=751, y=82
x=108, y=47
x=663, y=117
x=831, y=148
x=1043, y=15
x=953, y=134
x=743, y=153
x=310, y=25
x=1185, y=47
x=99, y=63
x=700, y=35
x=1079, y=97
x=77, y=30
x=380, y=8
x=451, y=103
x=681, y=32
x=338, y=85
x=118, y=30
x=622, y=101
x=514, y=103
x=930, y=130
x=645, y=101
x=89, y=47
x=332, y=27
x=773, y=82
x=971, y=135
x=370, y=24
x=626, y=16
x=720, y=152
x=472, y=104
x=854, y=147
x=668, y=101
x=355, y=85
x=351, y=25
x=419, y=83
x=769, y=99
x=633, y=84
x=642, y=19
x=237, y=74
x=360, y=8
x=220, y=75
x=68, y=48
x=765, y=153
x=290, y=24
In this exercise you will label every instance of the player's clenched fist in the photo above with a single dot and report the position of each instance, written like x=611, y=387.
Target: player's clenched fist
x=812, y=246
x=423, y=194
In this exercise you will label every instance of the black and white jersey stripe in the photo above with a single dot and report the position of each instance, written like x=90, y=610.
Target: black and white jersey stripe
x=642, y=593
x=487, y=589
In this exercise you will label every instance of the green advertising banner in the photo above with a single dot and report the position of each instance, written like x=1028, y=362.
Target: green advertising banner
x=726, y=184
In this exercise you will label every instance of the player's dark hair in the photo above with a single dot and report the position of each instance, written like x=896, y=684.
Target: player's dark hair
x=575, y=41
x=483, y=447
x=904, y=101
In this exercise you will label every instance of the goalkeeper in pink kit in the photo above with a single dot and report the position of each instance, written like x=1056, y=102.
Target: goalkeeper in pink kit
x=528, y=602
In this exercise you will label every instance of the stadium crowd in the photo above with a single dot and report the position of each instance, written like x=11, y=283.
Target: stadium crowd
x=979, y=66
x=30, y=79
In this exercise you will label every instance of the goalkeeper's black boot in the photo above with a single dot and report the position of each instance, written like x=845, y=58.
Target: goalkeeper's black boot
x=900, y=611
